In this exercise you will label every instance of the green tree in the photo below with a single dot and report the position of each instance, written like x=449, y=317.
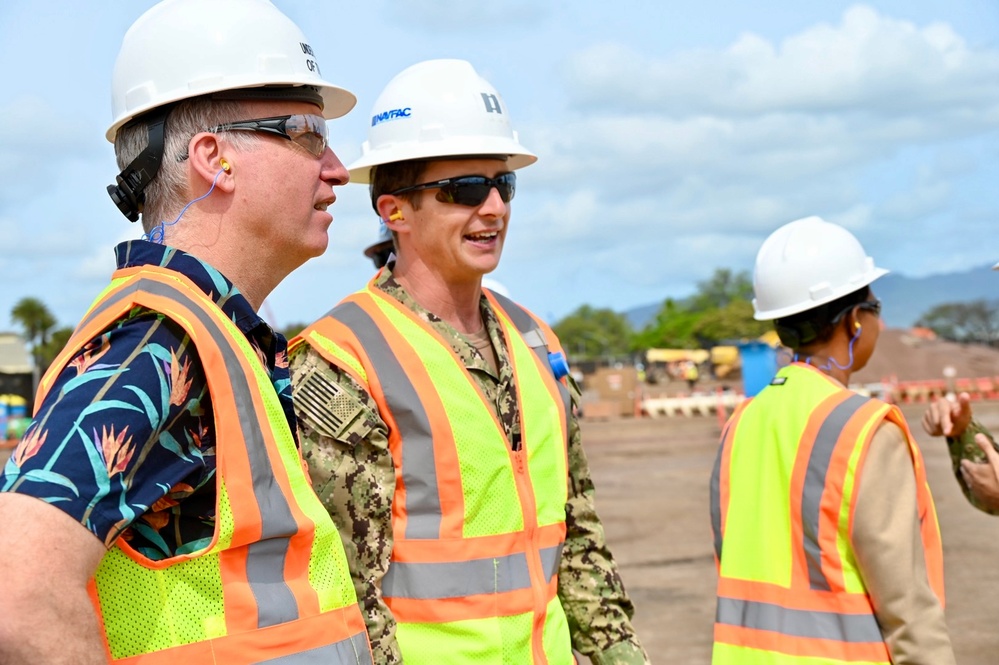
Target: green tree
x=672, y=328
x=36, y=320
x=720, y=309
x=733, y=321
x=55, y=344
x=292, y=329
x=594, y=333
x=722, y=288
x=974, y=322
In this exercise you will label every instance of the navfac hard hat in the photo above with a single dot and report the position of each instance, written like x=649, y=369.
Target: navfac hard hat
x=438, y=108
x=181, y=49
x=807, y=263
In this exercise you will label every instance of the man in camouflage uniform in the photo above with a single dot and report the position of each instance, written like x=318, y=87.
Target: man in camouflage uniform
x=447, y=238
x=973, y=451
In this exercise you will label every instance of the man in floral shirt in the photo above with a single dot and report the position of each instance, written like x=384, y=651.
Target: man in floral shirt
x=233, y=187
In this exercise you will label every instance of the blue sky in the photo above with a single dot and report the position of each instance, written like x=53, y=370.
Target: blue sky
x=672, y=138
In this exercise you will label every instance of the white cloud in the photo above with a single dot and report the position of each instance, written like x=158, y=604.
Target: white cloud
x=868, y=62
x=684, y=163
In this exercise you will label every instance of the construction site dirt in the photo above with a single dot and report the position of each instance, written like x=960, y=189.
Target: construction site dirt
x=652, y=479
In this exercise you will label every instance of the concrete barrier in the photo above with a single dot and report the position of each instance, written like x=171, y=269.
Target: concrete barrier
x=693, y=405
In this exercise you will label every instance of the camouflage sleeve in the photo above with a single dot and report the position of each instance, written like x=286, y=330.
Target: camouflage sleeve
x=592, y=593
x=964, y=448
x=345, y=443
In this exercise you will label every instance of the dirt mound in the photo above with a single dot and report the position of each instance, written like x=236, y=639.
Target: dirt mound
x=910, y=357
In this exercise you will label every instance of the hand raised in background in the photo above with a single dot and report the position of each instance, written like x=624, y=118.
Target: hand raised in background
x=983, y=478
x=946, y=418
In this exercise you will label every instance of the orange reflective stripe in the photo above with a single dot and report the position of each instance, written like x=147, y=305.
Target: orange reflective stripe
x=929, y=526
x=429, y=501
x=430, y=551
x=536, y=335
x=720, y=481
x=512, y=315
x=445, y=454
x=868, y=652
x=843, y=439
x=800, y=573
x=332, y=637
x=800, y=598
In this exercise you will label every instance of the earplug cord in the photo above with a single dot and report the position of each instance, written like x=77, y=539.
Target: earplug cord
x=158, y=232
x=832, y=361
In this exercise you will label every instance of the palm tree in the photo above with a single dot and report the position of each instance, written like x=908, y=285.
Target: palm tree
x=36, y=320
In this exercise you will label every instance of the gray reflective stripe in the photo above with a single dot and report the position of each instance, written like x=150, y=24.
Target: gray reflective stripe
x=430, y=581
x=265, y=560
x=419, y=470
x=852, y=628
x=551, y=557
x=353, y=651
x=815, y=485
x=535, y=339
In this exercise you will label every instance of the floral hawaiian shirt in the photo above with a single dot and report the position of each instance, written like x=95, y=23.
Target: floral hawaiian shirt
x=124, y=442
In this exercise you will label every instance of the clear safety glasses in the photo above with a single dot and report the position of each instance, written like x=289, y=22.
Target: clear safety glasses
x=307, y=130
x=468, y=190
x=871, y=306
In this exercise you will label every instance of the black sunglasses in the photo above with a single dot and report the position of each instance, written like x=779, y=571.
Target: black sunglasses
x=307, y=130
x=468, y=190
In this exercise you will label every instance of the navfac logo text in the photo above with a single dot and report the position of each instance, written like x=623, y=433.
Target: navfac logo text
x=394, y=114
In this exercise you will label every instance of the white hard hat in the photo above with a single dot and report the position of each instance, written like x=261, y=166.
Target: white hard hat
x=185, y=48
x=438, y=108
x=495, y=287
x=808, y=263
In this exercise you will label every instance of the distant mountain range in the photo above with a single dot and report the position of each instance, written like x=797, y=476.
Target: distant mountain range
x=905, y=298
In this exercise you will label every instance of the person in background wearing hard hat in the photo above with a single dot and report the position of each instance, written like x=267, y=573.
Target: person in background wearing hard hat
x=436, y=416
x=826, y=537
x=382, y=250
x=156, y=509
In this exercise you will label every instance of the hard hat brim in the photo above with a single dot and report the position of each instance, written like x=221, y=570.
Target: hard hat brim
x=798, y=308
x=517, y=157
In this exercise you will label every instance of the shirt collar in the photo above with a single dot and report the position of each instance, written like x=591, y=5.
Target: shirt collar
x=137, y=253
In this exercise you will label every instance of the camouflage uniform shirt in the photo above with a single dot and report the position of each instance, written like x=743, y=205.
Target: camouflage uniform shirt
x=345, y=442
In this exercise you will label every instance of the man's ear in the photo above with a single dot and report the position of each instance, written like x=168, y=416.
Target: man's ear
x=207, y=161
x=391, y=211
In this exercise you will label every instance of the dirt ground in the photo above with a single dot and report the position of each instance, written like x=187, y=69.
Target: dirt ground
x=652, y=477
x=651, y=480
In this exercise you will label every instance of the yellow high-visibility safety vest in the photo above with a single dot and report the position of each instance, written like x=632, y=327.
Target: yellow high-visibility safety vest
x=782, y=496
x=478, y=526
x=273, y=586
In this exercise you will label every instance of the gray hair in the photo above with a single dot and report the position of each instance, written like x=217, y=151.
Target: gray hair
x=168, y=193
